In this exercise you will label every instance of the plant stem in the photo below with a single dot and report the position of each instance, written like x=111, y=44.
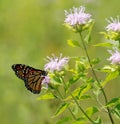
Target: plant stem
x=78, y=104
x=82, y=109
x=110, y=116
x=68, y=107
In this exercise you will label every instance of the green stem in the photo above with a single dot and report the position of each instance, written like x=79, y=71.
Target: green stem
x=82, y=109
x=78, y=103
x=110, y=116
x=68, y=107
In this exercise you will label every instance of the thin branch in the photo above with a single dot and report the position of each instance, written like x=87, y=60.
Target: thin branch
x=64, y=102
x=78, y=104
x=110, y=116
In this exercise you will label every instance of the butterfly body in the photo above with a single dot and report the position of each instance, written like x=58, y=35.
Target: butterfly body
x=31, y=76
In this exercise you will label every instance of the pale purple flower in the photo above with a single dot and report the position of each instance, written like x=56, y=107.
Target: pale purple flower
x=115, y=57
x=46, y=81
x=114, y=24
x=56, y=63
x=77, y=16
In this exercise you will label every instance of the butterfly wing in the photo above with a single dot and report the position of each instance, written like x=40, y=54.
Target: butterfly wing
x=32, y=77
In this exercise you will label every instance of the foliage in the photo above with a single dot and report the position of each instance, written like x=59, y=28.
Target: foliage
x=60, y=87
x=32, y=29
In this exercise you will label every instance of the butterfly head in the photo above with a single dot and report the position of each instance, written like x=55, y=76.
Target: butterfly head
x=44, y=73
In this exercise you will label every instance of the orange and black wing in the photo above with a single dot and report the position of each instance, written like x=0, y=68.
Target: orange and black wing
x=32, y=77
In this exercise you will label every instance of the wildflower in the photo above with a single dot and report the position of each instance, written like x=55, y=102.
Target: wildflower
x=114, y=25
x=77, y=16
x=56, y=63
x=115, y=58
x=46, y=81
x=113, y=29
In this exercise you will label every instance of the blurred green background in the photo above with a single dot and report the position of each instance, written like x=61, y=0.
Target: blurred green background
x=30, y=30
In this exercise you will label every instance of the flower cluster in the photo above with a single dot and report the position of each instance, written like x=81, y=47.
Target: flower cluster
x=77, y=16
x=56, y=63
x=46, y=80
x=113, y=29
x=115, y=58
x=114, y=25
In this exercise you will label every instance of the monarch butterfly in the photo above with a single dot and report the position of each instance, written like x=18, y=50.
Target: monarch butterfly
x=31, y=76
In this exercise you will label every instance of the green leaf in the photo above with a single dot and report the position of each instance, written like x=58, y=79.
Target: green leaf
x=91, y=111
x=116, y=111
x=108, y=69
x=56, y=79
x=85, y=97
x=84, y=89
x=88, y=36
x=74, y=108
x=80, y=91
x=106, y=44
x=95, y=61
x=61, y=109
x=74, y=79
x=79, y=122
x=63, y=120
x=70, y=27
x=113, y=102
x=98, y=121
x=55, y=82
x=73, y=43
x=46, y=97
x=110, y=77
x=80, y=66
